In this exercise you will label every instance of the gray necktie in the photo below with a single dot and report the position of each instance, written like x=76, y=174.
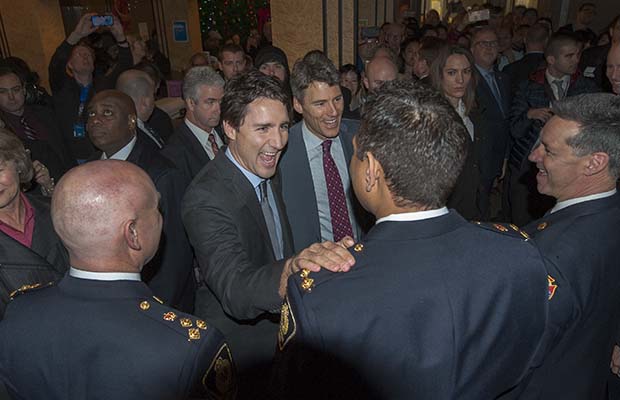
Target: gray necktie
x=269, y=220
x=559, y=85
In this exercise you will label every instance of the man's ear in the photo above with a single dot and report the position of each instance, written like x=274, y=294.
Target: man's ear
x=231, y=133
x=374, y=172
x=297, y=105
x=189, y=104
x=130, y=233
x=597, y=162
x=550, y=60
x=133, y=122
x=365, y=82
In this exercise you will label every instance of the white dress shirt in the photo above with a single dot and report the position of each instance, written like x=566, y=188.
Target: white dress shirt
x=203, y=138
x=123, y=153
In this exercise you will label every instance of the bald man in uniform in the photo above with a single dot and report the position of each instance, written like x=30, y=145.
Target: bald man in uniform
x=111, y=126
x=100, y=332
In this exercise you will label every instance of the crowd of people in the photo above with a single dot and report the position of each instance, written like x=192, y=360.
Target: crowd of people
x=436, y=221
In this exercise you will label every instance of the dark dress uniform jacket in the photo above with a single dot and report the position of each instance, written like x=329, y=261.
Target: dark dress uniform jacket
x=226, y=227
x=583, y=241
x=170, y=273
x=88, y=339
x=433, y=309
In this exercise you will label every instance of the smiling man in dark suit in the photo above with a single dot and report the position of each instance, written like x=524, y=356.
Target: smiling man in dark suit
x=236, y=221
x=111, y=127
x=196, y=140
x=315, y=176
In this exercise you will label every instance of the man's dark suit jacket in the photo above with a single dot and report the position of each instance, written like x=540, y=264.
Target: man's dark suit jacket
x=582, y=240
x=226, y=227
x=596, y=57
x=170, y=273
x=162, y=123
x=186, y=152
x=44, y=262
x=520, y=70
x=492, y=131
x=298, y=188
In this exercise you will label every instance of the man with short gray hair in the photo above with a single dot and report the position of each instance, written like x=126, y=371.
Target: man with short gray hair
x=196, y=141
x=578, y=161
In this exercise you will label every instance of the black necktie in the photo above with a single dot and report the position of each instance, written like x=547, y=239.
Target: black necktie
x=28, y=130
x=154, y=135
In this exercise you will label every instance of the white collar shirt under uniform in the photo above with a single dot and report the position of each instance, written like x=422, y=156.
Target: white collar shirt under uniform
x=104, y=276
x=414, y=216
x=567, y=203
x=314, y=151
x=203, y=138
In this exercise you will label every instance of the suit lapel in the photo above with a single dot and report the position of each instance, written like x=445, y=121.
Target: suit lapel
x=245, y=192
x=299, y=162
x=287, y=236
x=503, y=84
x=40, y=242
x=193, y=145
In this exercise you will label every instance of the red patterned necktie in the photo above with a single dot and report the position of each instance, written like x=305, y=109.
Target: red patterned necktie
x=214, y=146
x=341, y=225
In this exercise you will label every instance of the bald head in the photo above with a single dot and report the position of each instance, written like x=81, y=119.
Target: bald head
x=111, y=121
x=105, y=213
x=378, y=71
x=140, y=87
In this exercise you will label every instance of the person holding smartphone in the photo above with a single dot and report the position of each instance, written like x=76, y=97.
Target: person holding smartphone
x=73, y=79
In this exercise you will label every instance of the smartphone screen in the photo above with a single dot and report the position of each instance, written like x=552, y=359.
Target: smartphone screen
x=102, y=20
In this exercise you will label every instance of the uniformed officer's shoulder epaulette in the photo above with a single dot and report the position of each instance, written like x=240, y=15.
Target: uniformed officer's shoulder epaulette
x=30, y=288
x=506, y=229
x=184, y=324
x=307, y=280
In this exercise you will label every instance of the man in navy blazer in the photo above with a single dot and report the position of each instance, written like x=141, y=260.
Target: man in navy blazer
x=494, y=97
x=578, y=163
x=306, y=188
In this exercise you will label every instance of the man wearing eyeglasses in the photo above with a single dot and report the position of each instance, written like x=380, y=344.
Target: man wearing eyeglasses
x=493, y=98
